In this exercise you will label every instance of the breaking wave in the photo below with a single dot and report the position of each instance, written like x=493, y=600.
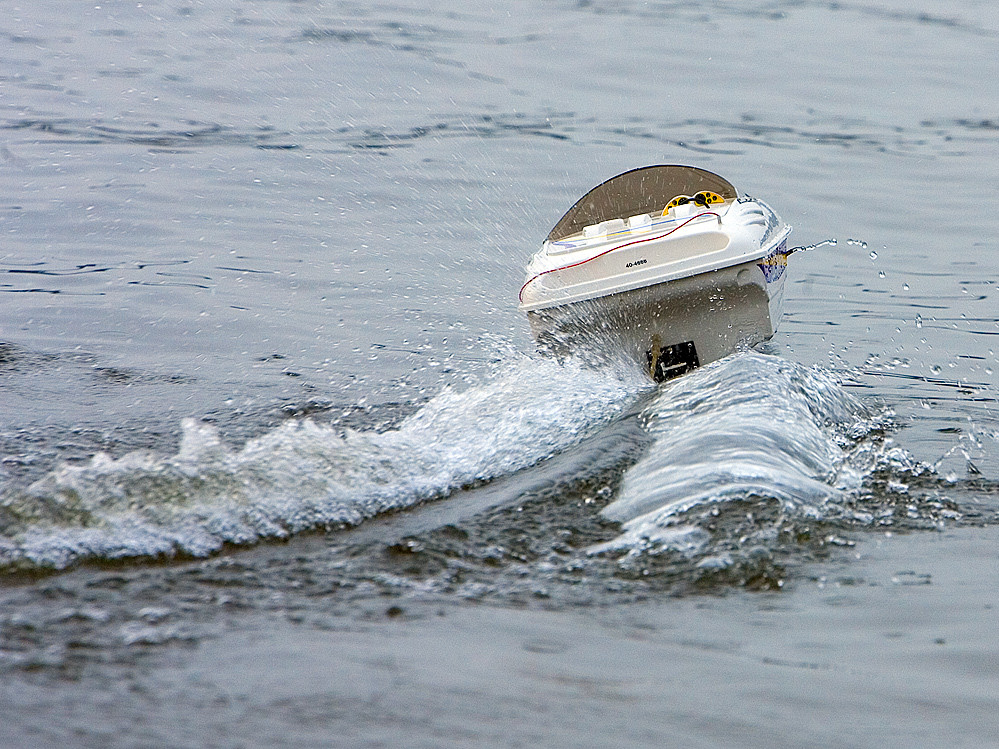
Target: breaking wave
x=305, y=475
x=755, y=432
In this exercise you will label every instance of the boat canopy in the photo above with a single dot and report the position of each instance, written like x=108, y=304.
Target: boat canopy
x=642, y=190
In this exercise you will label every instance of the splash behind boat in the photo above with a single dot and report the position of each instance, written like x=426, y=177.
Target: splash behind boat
x=667, y=263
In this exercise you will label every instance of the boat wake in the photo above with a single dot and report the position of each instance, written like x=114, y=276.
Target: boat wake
x=305, y=475
x=729, y=474
x=757, y=453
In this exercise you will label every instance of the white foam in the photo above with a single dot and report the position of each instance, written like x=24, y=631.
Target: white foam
x=304, y=475
x=747, y=426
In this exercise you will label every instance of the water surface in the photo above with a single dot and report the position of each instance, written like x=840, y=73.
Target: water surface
x=261, y=365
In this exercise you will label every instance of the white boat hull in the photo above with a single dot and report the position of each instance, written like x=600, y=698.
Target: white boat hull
x=717, y=313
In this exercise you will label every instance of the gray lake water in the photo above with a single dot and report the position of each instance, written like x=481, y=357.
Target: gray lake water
x=279, y=464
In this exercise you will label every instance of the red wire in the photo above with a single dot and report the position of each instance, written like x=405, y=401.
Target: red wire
x=612, y=249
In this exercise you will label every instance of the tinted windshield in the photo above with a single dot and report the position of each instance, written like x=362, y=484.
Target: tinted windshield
x=642, y=190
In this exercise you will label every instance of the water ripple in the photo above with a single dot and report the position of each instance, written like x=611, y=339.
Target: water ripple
x=927, y=138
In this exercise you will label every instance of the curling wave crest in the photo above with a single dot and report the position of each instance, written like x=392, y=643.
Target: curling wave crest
x=303, y=474
x=755, y=431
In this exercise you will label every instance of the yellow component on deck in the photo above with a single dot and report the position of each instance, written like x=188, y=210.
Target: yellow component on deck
x=704, y=198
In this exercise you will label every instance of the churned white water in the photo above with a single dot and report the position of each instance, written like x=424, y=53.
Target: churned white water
x=747, y=427
x=304, y=474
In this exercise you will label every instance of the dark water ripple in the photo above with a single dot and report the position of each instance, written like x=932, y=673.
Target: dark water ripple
x=696, y=135
x=160, y=278
x=780, y=10
x=194, y=135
